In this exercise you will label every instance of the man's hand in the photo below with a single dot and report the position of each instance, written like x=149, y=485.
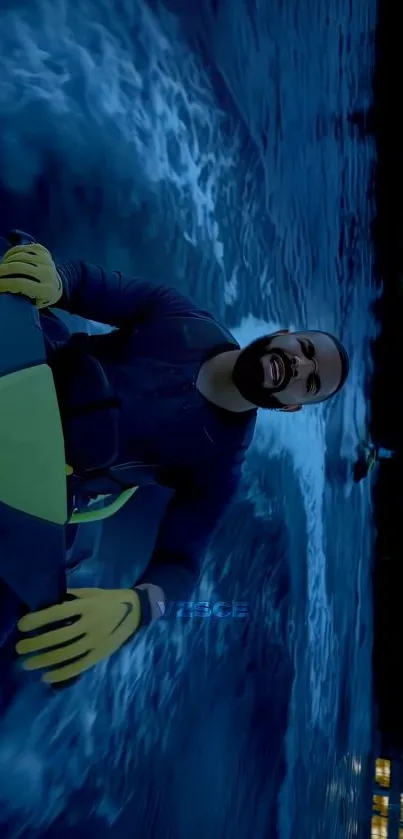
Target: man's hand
x=30, y=270
x=95, y=624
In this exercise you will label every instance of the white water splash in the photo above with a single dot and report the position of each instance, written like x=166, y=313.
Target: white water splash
x=303, y=434
x=231, y=290
x=118, y=97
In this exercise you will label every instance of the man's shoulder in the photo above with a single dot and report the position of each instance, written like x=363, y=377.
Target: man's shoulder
x=199, y=329
x=177, y=306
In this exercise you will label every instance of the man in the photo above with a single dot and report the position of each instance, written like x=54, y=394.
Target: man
x=167, y=397
x=368, y=456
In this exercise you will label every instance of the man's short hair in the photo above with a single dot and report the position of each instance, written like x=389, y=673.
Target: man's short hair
x=345, y=363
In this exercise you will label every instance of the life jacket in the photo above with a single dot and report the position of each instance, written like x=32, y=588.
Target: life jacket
x=97, y=470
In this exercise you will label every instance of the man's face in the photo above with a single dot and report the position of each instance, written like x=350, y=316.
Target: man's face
x=288, y=370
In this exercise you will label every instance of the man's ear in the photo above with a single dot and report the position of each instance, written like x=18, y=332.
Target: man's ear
x=291, y=408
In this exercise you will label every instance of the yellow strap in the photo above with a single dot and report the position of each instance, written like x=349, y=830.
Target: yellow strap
x=105, y=512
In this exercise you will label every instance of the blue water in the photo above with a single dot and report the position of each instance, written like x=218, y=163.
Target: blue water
x=209, y=143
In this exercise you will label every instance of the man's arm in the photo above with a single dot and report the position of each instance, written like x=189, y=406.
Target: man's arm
x=110, y=297
x=186, y=529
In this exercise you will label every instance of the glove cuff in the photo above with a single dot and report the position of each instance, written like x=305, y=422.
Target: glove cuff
x=145, y=607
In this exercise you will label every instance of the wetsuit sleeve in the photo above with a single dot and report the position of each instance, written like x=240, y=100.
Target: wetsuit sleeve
x=115, y=299
x=189, y=522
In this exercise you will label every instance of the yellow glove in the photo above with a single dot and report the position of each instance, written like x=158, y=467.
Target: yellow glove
x=30, y=270
x=100, y=621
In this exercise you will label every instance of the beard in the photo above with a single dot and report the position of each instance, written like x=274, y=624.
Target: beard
x=248, y=373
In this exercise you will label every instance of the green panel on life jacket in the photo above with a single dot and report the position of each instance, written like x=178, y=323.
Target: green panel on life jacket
x=32, y=461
